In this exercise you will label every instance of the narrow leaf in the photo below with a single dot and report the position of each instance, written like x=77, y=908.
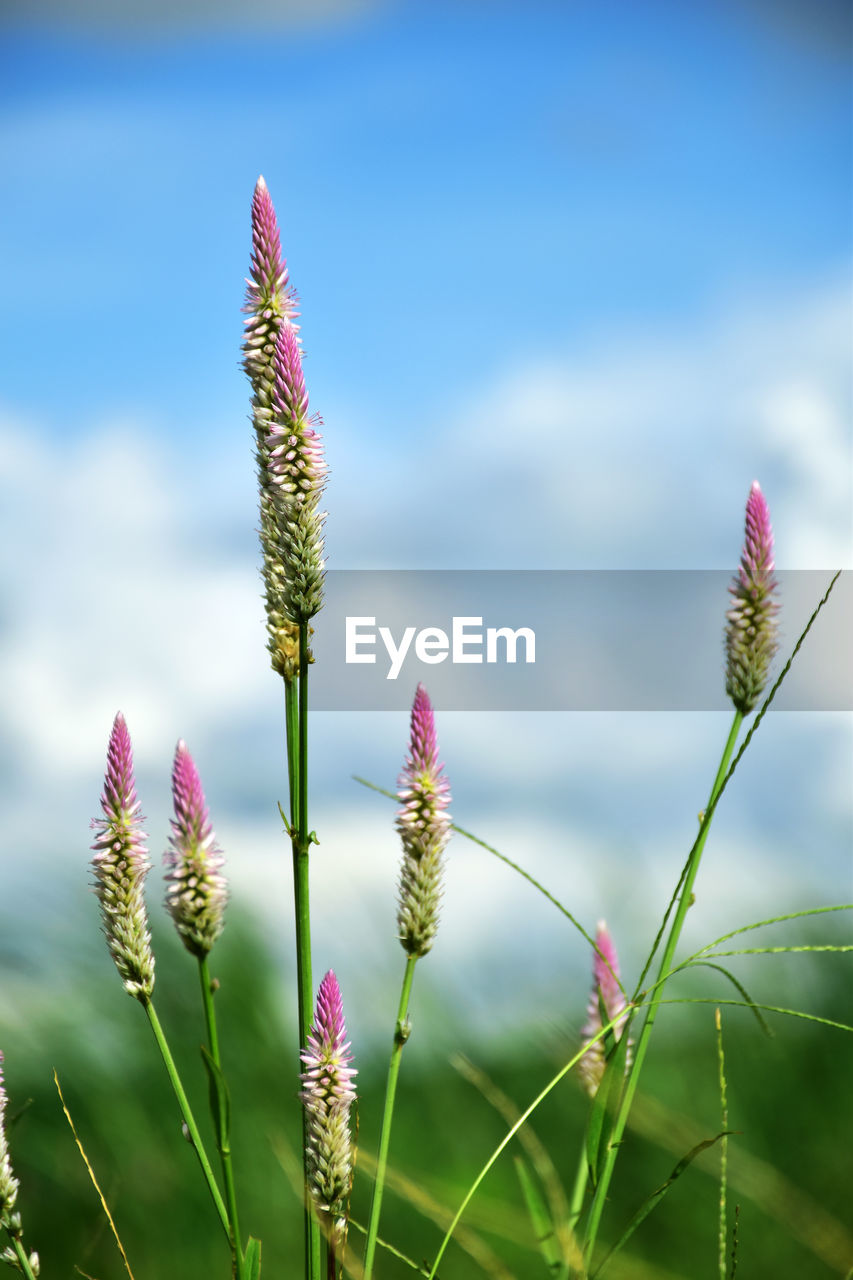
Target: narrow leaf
x=655, y=1198
x=253, y=1259
x=543, y=1228
x=605, y=1103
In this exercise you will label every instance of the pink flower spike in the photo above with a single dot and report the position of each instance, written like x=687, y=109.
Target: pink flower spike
x=196, y=892
x=750, y=639
x=607, y=991
x=424, y=827
x=120, y=866
x=268, y=293
x=295, y=452
x=327, y=1096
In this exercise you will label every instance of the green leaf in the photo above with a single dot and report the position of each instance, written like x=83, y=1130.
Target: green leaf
x=253, y=1259
x=606, y=1101
x=220, y=1102
x=543, y=1228
x=655, y=1198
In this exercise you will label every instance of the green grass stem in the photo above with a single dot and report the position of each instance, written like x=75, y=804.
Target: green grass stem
x=400, y=1037
x=684, y=901
x=189, y=1119
x=224, y=1142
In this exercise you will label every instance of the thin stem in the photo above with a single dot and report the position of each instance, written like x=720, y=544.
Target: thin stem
x=297, y=742
x=400, y=1038
x=186, y=1112
x=225, y=1144
x=579, y=1191
x=665, y=967
x=21, y=1255
x=291, y=720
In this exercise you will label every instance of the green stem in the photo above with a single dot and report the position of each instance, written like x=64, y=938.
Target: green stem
x=291, y=720
x=225, y=1144
x=21, y=1255
x=189, y=1121
x=657, y=993
x=297, y=741
x=400, y=1038
x=579, y=1191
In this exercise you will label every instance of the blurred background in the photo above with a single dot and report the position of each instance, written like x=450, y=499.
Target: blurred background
x=572, y=276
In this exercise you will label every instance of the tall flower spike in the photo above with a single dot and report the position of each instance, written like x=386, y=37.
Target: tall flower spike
x=296, y=475
x=606, y=991
x=751, y=627
x=8, y=1181
x=269, y=297
x=120, y=865
x=328, y=1094
x=195, y=888
x=424, y=827
x=291, y=538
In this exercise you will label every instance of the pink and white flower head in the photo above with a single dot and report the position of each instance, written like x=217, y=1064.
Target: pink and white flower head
x=424, y=826
x=607, y=991
x=196, y=892
x=327, y=1095
x=751, y=621
x=296, y=464
x=269, y=297
x=120, y=866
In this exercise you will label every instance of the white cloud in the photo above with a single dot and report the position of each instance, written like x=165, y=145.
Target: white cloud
x=638, y=451
x=120, y=592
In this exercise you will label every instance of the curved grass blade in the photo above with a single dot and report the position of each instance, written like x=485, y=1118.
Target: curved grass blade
x=502, y=857
x=707, y=964
x=541, y=1164
x=507, y=1139
x=760, y=924
x=91, y=1171
x=652, y=1201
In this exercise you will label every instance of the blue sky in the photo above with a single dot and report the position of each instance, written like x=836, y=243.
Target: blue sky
x=572, y=276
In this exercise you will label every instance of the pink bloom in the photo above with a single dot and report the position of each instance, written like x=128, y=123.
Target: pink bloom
x=195, y=889
x=751, y=627
x=120, y=865
x=424, y=827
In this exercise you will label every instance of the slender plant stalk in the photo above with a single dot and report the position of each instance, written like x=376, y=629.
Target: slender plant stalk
x=724, y=1146
x=400, y=1037
x=579, y=1191
x=21, y=1255
x=186, y=1112
x=296, y=708
x=225, y=1150
x=601, y=1190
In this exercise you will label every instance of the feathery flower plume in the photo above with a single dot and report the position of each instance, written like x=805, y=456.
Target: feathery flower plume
x=291, y=535
x=296, y=475
x=269, y=297
x=327, y=1096
x=120, y=865
x=424, y=827
x=8, y=1181
x=751, y=628
x=606, y=991
x=195, y=888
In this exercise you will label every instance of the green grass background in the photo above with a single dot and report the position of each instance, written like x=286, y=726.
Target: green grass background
x=789, y=1097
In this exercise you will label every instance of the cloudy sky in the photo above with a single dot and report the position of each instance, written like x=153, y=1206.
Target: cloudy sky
x=572, y=276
